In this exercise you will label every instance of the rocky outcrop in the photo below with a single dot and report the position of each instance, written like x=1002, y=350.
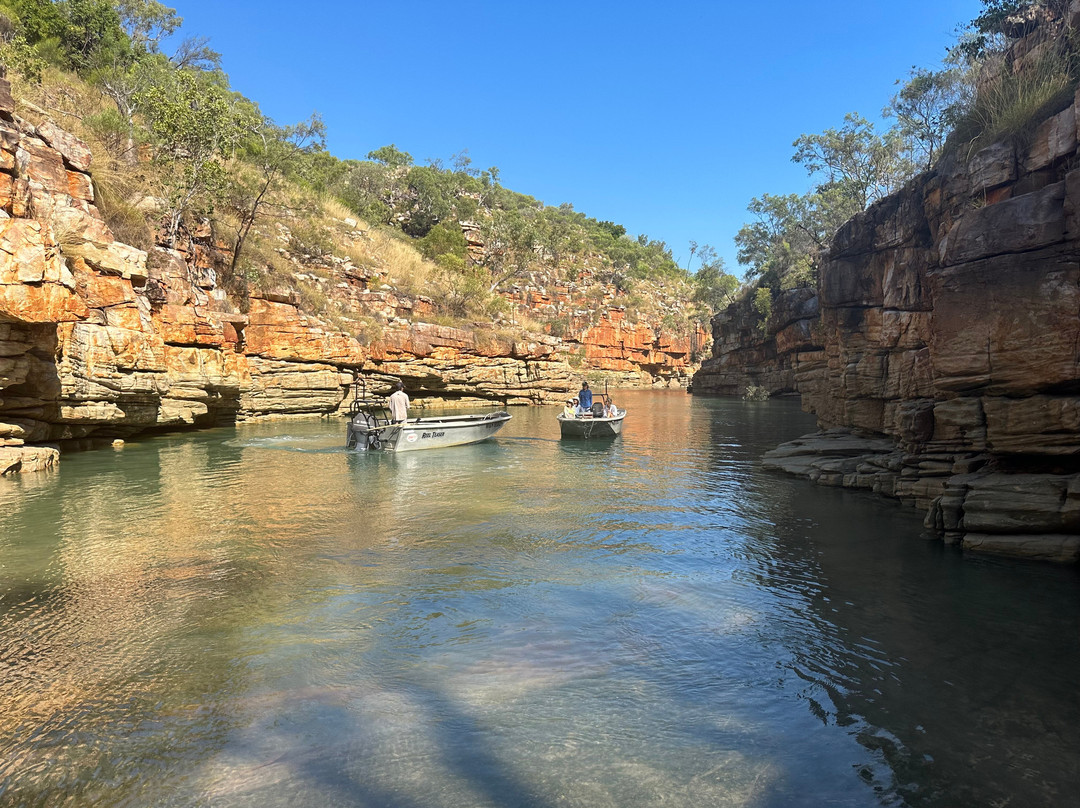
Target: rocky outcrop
x=100, y=341
x=636, y=354
x=782, y=353
x=950, y=349
x=950, y=328
x=661, y=348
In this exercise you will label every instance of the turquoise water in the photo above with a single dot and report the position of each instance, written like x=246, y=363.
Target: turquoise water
x=255, y=617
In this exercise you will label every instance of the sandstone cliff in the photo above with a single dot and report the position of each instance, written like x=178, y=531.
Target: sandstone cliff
x=943, y=360
x=100, y=341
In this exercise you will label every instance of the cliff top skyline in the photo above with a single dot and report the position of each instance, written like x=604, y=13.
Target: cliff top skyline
x=668, y=123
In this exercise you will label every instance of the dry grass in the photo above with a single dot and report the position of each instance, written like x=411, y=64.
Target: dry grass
x=336, y=209
x=404, y=267
x=1012, y=104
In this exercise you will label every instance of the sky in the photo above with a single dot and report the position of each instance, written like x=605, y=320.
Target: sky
x=665, y=117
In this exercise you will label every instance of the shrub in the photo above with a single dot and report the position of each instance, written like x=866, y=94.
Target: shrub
x=559, y=326
x=1014, y=101
x=442, y=240
x=763, y=305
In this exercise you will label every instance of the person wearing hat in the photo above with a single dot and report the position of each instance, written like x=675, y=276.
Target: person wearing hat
x=570, y=410
x=399, y=404
x=584, y=396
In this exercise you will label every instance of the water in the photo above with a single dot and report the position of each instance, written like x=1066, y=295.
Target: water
x=254, y=617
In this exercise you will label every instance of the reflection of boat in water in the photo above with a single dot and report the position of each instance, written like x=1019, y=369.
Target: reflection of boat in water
x=370, y=427
x=591, y=426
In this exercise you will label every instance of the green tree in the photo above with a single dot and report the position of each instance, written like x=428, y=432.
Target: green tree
x=443, y=239
x=429, y=199
x=1002, y=21
x=558, y=233
x=713, y=287
x=276, y=153
x=510, y=242
x=372, y=190
x=855, y=160
x=391, y=156
x=781, y=247
x=929, y=106
x=196, y=124
x=147, y=23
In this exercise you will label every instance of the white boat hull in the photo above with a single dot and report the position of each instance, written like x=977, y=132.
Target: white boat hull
x=426, y=433
x=589, y=427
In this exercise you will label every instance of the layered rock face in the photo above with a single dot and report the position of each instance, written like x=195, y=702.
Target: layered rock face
x=628, y=351
x=100, y=341
x=783, y=353
x=949, y=329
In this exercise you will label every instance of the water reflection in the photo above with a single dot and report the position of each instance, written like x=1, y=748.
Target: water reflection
x=255, y=616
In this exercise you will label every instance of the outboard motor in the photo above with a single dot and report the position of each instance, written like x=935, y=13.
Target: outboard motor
x=360, y=434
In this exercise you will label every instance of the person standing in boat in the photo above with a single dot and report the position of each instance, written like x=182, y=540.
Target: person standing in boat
x=584, y=397
x=399, y=404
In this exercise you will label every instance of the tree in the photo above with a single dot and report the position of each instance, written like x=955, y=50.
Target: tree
x=1004, y=20
x=558, y=234
x=510, y=242
x=928, y=107
x=782, y=246
x=147, y=22
x=391, y=156
x=196, y=123
x=372, y=190
x=277, y=153
x=855, y=159
x=443, y=240
x=128, y=72
x=429, y=200
x=713, y=287
x=693, y=252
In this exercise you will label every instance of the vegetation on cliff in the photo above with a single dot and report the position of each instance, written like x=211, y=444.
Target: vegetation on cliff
x=182, y=158
x=982, y=93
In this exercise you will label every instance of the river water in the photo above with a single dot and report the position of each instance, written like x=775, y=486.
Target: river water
x=253, y=616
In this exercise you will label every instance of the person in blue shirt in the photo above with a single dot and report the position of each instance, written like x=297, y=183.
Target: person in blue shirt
x=584, y=396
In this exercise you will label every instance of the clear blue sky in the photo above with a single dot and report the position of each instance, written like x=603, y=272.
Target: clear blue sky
x=666, y=117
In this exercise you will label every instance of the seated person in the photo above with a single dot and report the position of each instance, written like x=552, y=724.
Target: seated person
x=570, y=410
x=611, y=410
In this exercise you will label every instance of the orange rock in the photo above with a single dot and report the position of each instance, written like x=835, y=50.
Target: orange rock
x=279, y=331
x=7, y=191
x=31, y=275
x=80, y=186
x=100, y=291
x=44, y=165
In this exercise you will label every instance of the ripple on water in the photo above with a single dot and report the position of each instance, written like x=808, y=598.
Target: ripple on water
x=254, y=616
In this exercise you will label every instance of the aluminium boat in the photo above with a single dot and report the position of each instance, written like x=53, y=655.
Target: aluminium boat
x=591, y=426
x=371, y=428
x=367, y=431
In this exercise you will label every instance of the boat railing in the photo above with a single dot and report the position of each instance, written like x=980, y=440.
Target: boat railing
x=361, y=401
